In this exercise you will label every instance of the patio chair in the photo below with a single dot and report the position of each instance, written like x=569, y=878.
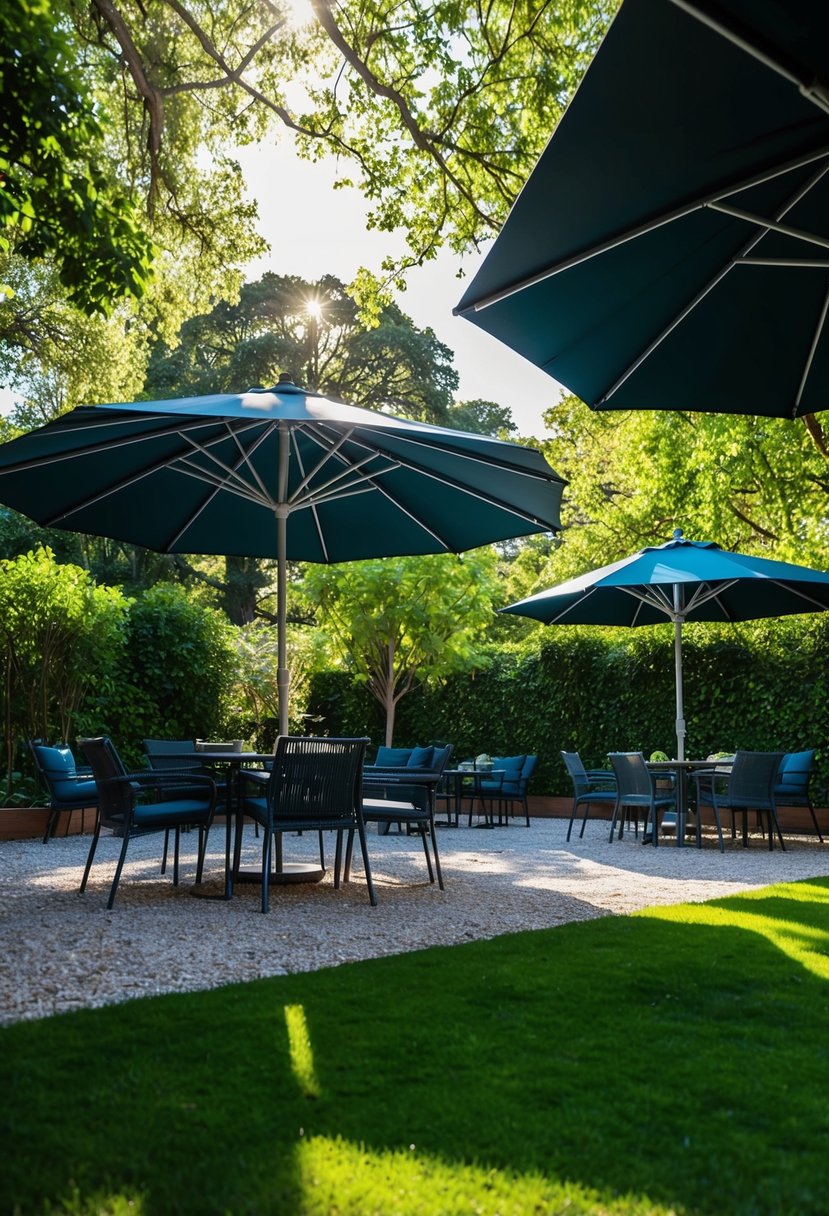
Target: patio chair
x=411, y=806
x=793, y=781
x=512, y=788
x=122, y=808
x=69, y=787
x=639, y=790
x=750, y=786
x=314, y=785
x=591, y=787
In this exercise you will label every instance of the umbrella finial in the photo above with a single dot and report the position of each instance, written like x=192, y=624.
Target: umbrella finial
x=677, y=534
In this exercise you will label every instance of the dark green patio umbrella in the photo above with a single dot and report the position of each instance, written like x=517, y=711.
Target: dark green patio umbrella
x=279, y=473
x=670, y=250
x=683, y=580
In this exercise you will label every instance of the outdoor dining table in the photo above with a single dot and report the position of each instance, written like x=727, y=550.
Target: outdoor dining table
x=235, y=763
x=455, y=779
x=681, y=770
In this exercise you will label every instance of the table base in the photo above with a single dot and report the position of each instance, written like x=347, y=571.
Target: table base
x=292, y=871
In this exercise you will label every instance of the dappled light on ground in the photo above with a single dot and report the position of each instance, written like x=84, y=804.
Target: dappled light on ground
x=300, y=1051
x=802, y=943
x=338, y=1176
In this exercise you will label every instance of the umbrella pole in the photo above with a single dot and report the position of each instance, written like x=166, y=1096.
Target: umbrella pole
x=283, y=675
x=680, y=708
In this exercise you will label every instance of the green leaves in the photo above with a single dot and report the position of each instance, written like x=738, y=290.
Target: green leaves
x=55, y=197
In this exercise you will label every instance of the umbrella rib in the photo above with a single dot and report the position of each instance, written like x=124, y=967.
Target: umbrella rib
x=791, y=202
x=108, y=446
x=813, y=91
x=631, y=234
x=801, y=388
x=148, y=471
x=770, y=225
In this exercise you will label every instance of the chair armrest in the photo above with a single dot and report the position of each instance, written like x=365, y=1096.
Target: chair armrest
x=167, y=779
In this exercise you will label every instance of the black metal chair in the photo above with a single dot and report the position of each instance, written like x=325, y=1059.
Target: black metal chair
x=69, y=787
x=793, y=782
x=638, y=789
x=409, y=806
x=315, y=785
x=591, y=787
x=750, y=786
x=171, y=805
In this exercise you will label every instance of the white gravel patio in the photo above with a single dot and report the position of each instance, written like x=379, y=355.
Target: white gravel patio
x=62, y=951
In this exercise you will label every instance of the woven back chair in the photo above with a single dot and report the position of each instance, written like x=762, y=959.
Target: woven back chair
x=315, y=785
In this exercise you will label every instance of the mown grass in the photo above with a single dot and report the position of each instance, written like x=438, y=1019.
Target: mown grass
x=671, y=1062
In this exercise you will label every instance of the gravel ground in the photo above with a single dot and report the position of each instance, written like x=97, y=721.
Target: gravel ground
x=62, y=951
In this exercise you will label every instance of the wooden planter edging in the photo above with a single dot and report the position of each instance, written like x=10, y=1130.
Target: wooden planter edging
x=29, y=822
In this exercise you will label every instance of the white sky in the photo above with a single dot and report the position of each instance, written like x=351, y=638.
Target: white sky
x=314, y=230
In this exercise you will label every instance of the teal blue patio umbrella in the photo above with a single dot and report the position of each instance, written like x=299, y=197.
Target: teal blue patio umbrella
x=683, y=580
x=279, y=473
x=670, y=249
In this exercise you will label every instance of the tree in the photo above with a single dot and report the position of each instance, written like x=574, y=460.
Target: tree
x=56, y=197
x=753, y=484
x=482, y=418
x=398, y=622
x=315, y=332
x=436, y=112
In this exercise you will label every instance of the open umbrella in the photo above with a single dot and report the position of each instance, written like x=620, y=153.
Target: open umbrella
x=279, y=473
x=670, y=249
x=683, y=580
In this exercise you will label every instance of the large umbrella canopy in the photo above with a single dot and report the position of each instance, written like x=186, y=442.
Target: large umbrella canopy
x=683, y=580
x=281, y=473
x=670, y=249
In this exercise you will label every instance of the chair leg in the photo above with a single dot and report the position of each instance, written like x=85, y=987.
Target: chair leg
x=267, y=837
x=434, y=836
x=425, y=844
x=349, y=850
x=775, y=823
x=814, y=821
x=118, y=869
x=338, y=859
x=166, y=848
x=176, y=851
x=91, y=854
x=366, y=863
x=51, y=824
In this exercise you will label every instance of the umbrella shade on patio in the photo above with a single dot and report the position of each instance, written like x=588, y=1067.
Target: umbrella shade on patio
x=279, y=473
x=683, y=580
x=670, y=249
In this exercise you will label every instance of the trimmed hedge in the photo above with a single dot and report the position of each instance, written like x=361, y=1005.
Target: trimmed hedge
x=761, y=685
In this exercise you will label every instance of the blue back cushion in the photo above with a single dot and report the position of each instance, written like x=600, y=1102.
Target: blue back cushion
x=421, y=757
x=393, y=757
x=58, y=763
x=512, y=766
x=793, y=777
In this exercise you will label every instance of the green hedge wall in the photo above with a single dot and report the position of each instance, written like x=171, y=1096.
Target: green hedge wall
x=762, y=685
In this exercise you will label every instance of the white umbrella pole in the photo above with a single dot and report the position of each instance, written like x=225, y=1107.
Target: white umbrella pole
x=680, y=708
x=283, y=675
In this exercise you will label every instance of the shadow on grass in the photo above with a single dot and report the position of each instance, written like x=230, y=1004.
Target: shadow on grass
x=674, y=1061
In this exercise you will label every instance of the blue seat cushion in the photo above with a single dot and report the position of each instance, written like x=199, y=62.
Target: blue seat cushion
x=393, y=757
x=421, y=757
x=76, y=791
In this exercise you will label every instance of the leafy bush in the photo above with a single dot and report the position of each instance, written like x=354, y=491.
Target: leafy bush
x=60, y=636
x=759, y=685
x=175, y=673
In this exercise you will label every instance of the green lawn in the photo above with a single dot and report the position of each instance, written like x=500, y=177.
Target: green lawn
x=670, y=1062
